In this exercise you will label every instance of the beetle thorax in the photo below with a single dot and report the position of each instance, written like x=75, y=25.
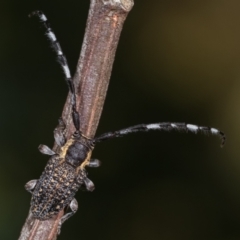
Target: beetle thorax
x=75, y=153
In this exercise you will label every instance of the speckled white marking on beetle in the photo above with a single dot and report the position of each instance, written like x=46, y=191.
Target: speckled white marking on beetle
x=214, y=131
x=153, y=126
x=43, y=18
x=124, y=131
x=67, y=71
x=173, y=125
x=52, y=36
x=192, y=127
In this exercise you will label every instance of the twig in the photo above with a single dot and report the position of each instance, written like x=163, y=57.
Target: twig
x=104, y=25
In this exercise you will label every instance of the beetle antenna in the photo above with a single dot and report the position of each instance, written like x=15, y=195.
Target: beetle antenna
x=63, y=63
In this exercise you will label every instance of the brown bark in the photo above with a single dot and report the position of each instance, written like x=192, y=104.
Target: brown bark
x=104, y=25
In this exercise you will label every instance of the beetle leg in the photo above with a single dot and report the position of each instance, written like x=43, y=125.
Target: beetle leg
x=74, y=207
x=89, y=184
x=58, y=133
x=94, y=163
x=46, y=150
x=29, y=186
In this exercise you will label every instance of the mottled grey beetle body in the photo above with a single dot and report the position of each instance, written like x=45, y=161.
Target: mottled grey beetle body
x=63, y=175
x=56, y=188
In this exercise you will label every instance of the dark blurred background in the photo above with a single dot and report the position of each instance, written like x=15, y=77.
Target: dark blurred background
x=176, y=61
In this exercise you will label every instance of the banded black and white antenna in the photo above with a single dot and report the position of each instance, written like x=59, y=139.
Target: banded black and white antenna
x=63, y=63
x=168, y=126
x=164, y=126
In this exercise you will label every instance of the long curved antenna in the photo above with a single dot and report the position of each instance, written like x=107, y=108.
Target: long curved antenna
x=63, y=62
x=162, y=127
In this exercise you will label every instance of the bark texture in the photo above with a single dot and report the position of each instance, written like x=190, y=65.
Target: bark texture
x=104, y=25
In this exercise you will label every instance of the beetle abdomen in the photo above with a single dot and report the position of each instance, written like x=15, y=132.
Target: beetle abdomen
x=55, y=189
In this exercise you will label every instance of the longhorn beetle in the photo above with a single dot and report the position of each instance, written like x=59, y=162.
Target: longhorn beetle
x=65, y=171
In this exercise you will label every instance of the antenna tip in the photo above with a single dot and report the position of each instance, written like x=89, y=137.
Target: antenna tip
x=223, y=137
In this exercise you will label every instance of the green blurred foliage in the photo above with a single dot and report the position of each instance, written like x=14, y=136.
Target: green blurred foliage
x=176, y=61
